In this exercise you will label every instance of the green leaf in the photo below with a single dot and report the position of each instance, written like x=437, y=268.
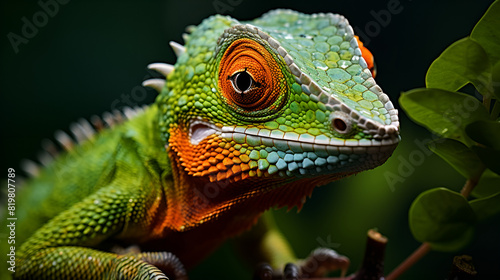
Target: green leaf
x=460, y=241
x=487, y=33
x=486, y=207
x=488, y=184
x=463, y=62
x=489, y=156
x=443, y=218
x=485, y=132
x=458, y=155
x=443, y=112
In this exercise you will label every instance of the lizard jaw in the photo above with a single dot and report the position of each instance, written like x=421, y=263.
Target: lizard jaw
x=199, y=130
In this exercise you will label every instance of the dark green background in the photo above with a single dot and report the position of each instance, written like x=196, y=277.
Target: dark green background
x=93, y=52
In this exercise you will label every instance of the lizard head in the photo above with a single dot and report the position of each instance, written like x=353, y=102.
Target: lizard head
x=284, y=98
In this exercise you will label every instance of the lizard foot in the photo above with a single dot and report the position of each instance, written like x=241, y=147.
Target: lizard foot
x=265, y=272
x=317, y=264
x=322, y=261
x=158, y=265
x=167, y=262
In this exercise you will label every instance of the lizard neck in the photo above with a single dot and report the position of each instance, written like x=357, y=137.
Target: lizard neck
x=234, y=206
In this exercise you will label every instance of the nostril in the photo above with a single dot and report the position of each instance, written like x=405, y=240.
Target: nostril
x=340, y=122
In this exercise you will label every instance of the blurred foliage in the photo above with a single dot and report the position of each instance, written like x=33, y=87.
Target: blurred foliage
x=470, y=131
x=93, y=53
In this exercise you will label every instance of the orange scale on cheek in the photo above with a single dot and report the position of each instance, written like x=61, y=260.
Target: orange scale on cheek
x=212, y=161
x=196, y=160
x=219, y=157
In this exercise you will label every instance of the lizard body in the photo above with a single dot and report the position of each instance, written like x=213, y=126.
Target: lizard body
x=252, y=115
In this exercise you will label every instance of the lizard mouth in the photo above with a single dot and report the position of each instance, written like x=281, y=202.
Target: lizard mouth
x=199, y=130
x=256, y=150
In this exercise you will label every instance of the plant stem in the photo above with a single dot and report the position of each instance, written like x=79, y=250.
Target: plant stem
x=486, y=103
x=410, y=261
x=471, y=183
x=468, y=187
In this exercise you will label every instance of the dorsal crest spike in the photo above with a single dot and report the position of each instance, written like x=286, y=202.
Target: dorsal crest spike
x=64, y=140
x=50, y=148
x=81, y=131
x=130, y=112
x=30, y=167
x=162, y=68
x=190, y=28
x=77, y=132
x=87, y=128
x=178, y=48
x=156, y=84
x=185, y=37
x=44, y=158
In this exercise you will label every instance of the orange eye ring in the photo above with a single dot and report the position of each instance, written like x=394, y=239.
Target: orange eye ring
x=250, y=78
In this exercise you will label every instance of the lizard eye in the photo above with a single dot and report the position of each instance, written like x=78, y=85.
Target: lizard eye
x=242, y=82
x=250, y=79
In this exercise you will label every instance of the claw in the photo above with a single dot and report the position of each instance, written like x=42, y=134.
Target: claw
x=291, y=272
x=263, y=272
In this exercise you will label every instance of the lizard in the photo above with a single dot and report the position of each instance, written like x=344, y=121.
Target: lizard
x=253, y=115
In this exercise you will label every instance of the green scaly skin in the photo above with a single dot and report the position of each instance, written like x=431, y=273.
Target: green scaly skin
x=137, y=183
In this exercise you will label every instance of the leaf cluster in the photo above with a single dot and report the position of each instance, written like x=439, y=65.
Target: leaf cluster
x=468, y=127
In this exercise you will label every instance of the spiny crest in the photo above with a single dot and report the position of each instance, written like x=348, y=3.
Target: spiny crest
x=164, y=68
x=81, y=131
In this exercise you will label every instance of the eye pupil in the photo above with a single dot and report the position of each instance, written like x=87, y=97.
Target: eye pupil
x=339, y=125
x=242, y=81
